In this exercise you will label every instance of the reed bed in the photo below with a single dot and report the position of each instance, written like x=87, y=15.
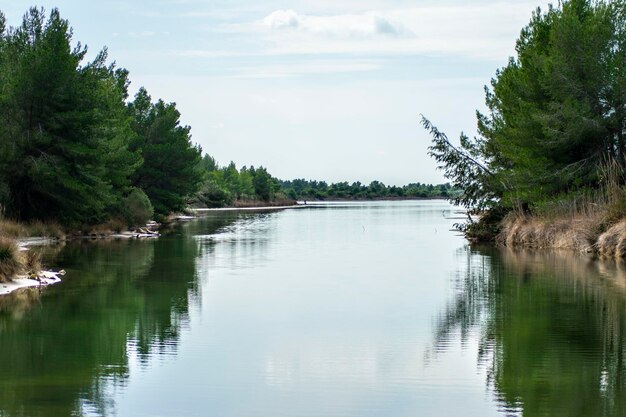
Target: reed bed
x=15, y=230
x=577, y=233
x=11, y=260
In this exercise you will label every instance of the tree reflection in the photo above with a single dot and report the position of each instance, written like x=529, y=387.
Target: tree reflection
x=552, y=330
x=118, y=300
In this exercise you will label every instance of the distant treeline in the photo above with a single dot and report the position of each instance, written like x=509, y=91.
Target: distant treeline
x=226, y=186
x=301, y=189
x=76, y=149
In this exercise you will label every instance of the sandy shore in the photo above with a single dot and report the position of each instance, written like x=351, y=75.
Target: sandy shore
x=46, y=278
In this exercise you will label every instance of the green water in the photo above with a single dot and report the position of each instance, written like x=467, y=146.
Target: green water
x=362, y=309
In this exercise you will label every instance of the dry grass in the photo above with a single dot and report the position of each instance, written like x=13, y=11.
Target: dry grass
x=587, y=221
x=612, y=243
x=109, y=227
x=11, y=229
x=260, y=203
x=45, y=229
x=117, y=225
x=32, y=261
x=15, y=230
x=575, y=233
x=11, y=261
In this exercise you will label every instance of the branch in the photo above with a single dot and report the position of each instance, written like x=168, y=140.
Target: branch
x=442, y=137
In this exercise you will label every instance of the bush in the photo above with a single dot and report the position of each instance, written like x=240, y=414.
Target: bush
x=212, y=195
x=32, y=261
x=10, y=260
x=136, y=208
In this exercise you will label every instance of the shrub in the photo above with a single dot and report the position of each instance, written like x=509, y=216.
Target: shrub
x=10, y=260
x=213, y=195
x=137, y=208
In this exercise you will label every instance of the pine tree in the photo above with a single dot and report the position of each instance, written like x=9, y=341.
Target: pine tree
x=172, y=170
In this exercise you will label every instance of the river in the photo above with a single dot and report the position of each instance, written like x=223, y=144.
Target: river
x=337, y=309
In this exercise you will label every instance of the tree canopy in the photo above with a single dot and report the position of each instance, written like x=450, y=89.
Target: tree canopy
x=555, y=114
x=64, y=137
x=171, y=162
x=71, y=148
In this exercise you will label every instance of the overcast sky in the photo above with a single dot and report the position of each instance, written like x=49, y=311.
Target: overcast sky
x=320, y=89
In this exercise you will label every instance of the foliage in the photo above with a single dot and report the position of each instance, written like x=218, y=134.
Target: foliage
x=71, y=148
x=263, y=185
x=227, y=186
x=136, y=208
x=171, y=170
x=556, y=112
x=467, y=172
x=224, y=186
x=64, y=135
x=301, y=189
x=213, y=195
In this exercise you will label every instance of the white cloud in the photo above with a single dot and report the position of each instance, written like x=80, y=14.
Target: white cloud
x=479, y=30
x=350, y=26
x=281, y=19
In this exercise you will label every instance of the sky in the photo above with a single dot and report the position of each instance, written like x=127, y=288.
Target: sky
x=319, y=89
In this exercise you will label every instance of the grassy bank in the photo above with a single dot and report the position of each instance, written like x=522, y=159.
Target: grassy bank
x=16, y=230
x=599, y=229
x=14, y=261
x=17, y=260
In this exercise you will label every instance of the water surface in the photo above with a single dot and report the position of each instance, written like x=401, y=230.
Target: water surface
x=347, y=309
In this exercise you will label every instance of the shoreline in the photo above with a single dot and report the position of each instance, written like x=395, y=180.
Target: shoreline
x=586, y=234
x=301, y=203
x=255, y=208
x=46, y=278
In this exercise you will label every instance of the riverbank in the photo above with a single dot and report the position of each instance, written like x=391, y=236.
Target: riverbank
x=20, y=263
x=44, y=278
x=592, y=234
x=257, y=205
x=252, y=208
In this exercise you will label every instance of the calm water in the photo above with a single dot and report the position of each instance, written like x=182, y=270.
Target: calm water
x=373, y=309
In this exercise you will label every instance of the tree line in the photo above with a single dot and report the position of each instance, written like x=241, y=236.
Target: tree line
x=77, y=149
x=301, y=189
x=73, y=146
x=555, y=121
x=227, y=185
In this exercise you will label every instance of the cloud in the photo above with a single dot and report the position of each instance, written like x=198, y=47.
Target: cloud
x=478, y=30
x=349, y=26
x=282, y=19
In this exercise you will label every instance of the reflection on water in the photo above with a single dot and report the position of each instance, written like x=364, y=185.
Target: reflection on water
x=118, y=299
x=551, y=327
x=352, y=309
